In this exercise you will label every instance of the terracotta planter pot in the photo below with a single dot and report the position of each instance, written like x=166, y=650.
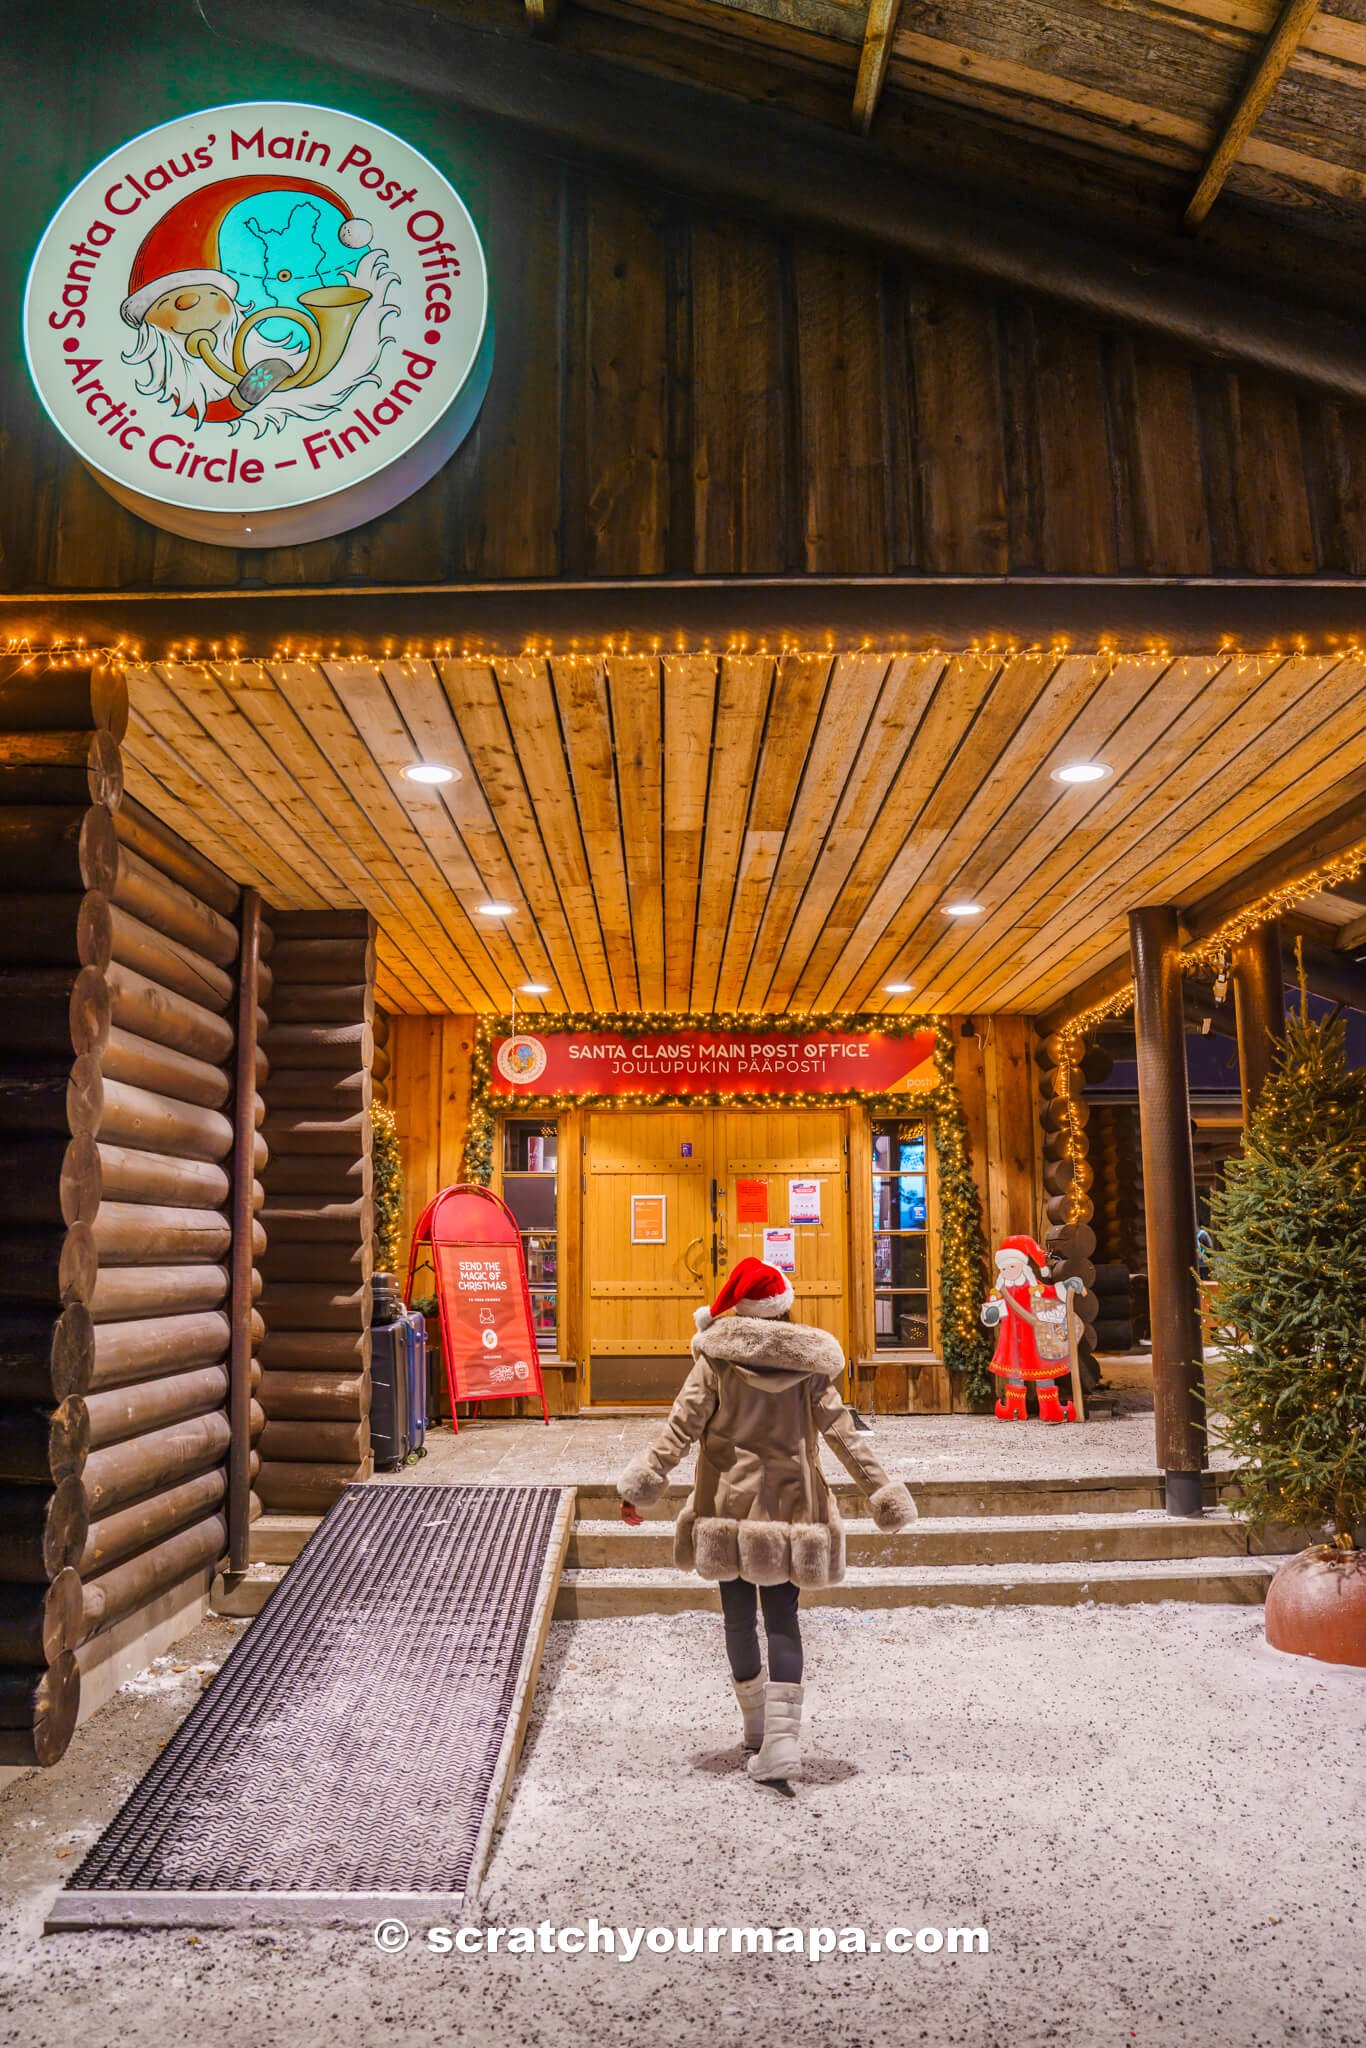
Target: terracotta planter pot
x=1316, y=1605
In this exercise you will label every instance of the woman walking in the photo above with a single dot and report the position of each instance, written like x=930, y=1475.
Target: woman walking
x=760, y=1519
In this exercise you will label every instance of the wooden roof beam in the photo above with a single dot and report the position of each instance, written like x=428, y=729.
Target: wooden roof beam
x=1280, y=47
x=781, y=166
x=874, y=58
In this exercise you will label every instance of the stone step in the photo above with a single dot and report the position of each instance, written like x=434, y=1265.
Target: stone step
x=1116, y=1493
x=1241, y=1581
x=247, y=1594
x=959, y=1540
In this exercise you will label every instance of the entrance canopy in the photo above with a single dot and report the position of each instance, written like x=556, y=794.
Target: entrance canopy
x=761, y=831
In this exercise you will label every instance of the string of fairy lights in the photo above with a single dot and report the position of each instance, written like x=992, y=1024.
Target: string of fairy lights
x=1213, y=950
x=331, y=651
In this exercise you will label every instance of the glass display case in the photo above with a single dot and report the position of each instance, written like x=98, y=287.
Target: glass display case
x=901, y=1246
x=530, y=1189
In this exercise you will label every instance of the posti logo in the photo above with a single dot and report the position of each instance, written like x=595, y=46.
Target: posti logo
x=261, y=324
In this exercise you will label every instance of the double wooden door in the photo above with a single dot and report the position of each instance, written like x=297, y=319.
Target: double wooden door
x=672, y=1199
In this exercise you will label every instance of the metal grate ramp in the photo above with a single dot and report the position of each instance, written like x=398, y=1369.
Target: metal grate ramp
x=356, y=1746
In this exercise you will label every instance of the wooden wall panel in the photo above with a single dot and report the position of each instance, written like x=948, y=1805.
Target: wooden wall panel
x=676, y=391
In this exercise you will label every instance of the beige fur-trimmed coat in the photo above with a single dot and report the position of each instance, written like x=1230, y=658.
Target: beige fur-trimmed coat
x=758, y=1399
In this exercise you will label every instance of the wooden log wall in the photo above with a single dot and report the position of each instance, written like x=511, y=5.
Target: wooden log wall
x=118, y=950
x=319, y=1213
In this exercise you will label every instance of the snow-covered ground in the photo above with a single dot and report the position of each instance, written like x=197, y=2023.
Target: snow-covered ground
x=1160, y=1823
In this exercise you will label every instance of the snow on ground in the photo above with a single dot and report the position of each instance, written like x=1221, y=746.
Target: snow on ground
x=1160, y=1822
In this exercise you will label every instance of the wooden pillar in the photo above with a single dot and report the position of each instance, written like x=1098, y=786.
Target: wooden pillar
x=243, y=1251
x=1259, y=998
x=1169, y=1201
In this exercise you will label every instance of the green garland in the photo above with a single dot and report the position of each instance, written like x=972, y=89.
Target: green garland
x=967, y=1346
x=387, y=1183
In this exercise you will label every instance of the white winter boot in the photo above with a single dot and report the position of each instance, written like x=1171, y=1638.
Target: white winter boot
x=750, y=1693
x=781, y=1755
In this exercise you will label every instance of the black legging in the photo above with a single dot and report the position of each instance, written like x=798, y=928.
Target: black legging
x=780, y=1625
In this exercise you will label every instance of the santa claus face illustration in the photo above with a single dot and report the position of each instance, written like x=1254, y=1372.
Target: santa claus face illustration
x=285, y=329
x=188, y=311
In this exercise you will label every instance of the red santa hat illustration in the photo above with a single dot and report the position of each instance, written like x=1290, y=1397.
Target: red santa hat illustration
x=752, y=1288
x=182, y=249
x=1024, y=1248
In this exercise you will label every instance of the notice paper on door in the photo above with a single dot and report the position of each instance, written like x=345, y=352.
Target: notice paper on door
x=751, y=1201
x=780, y=1250
x=648, y=1219
x=803, y=1201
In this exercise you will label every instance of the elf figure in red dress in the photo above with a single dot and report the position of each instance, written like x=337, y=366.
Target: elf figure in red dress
x=1030, y=1314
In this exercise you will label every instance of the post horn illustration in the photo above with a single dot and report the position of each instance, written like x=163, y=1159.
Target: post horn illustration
x=326, y=316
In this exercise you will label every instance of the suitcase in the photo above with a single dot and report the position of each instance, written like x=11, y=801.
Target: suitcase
x=415, y=1349
x=390, y=1340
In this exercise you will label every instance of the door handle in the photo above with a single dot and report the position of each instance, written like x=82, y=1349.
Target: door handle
x=695, y=1271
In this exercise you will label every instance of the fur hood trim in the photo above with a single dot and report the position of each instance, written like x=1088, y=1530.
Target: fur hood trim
x=772, y=1355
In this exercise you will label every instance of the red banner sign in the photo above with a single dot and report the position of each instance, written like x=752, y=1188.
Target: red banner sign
x=488, y=1339
x=710, y=1062
x=491, y=1346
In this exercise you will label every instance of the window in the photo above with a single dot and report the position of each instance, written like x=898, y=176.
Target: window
x=530, y=1176
x=901, y=1246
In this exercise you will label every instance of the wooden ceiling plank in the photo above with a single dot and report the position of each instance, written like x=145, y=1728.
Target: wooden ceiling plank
x=1010, y=717
x=431, y=908
x=1067, y=709
x=635, y=685
x=358, y=853
x=529, y=705
x=1146, y=748
x=1131, y=703
x=213, y=751
x=585, y=721
x=465, y=712
x=1112, y=864
x=907, y=689
x=463, y=719
x=1249, y=105
x=1306, y=751
x=889, y=860
x=367, y=724
x=874, y=58
x=850, y=705
x=744, y=687
x=800, y=685
x=690, y=685
x=192, y=824
x=165, y=761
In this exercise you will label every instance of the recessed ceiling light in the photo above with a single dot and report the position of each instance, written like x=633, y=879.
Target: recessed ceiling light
x=898, y=988
x=962, y=910
x=428, y=771
x=496, y=909
x=534, y=988
x=1082, y=771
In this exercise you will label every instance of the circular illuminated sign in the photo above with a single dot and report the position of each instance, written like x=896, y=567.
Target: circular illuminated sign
x=261, y=324
x=521, y=1060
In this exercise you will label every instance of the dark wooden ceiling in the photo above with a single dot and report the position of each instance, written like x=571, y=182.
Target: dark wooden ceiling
x=1106, y=108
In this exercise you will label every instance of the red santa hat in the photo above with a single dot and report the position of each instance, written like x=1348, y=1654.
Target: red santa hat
x=1025, y=1248
x=182, y=248
x=751, y=1289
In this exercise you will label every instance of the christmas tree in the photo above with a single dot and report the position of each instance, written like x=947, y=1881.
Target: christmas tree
x=1289, y=1268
